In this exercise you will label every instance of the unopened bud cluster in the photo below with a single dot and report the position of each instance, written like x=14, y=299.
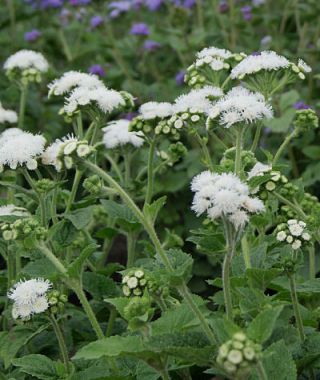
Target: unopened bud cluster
x=227, y=162
x=134, y=283
x=237, y=356
x=45, y=185
x=56, y=301
x=300, y=69
x=174, y=153
x=93, y=184
x=306, y=120
x=23, y=228
x=294, y=232
x=137, y=307
x=26, y=76
x=71, y=149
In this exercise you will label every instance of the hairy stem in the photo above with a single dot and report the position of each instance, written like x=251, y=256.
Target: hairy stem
x=295, y=305
x=261, y=371
x=149, y=192
x=22, y=105
x=312, y=263
x=75, y=185
x=283, y=146
x=237, y=164
x=61, y=341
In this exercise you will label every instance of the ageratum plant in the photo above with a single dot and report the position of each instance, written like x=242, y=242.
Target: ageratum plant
x=66, y=201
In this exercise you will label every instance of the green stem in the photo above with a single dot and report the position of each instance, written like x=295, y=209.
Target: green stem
x=22, y=105
x=312, y=263
x=10, y=268
x=112, y=317
x=88, y=310
x=131, y=244
x=127, y=169
x=149, y=192
x=261, y=371
x=226, y=285
x=79, y=125
x=12, y=14
x=205, y=151
x=295, y=305
x=245, y=251
x=75, y=185
x=237, y=164
x=154, y=238
x=200, y=14
x=65, y=45
x=294, y=207
x=232, y=23
x=115, y=167
x=51, y=257
x=61, y=341
x=283, y=146
x=256, y=138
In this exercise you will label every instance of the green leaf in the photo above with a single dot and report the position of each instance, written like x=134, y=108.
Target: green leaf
x=281, y=124
x=261, y=278
x=182, y=265
x=39, y=268
x=80, y=218
x=113, y=346
x=278, y=363
x=98, y=285
x=119, y=303
x=75, y=269
x=312, y=151
x=38, y=366
x=260, y=329
x=12, y=341
x=151, y=211
x=123, y=215
x=63, y=233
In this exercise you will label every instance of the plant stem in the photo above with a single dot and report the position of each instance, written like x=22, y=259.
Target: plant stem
x=237, y=164
x=12, y=14
x=88, y=310
x=61, y=341
x=79, y=125
x=149, y=192
x=283, y=146
x=65, y=45
x=112, y=318
x=115, y=167
x=295, y=305
x=256, y=138
x=226, y=285
x=205, y=151
x=154, y=238
x=51, y=257
x=75, y=185
x=261, y=371
x=312, y=263
x=232, y=23
x=131, y=244
x=22, y=105
x=245, y=251
x=284, y=200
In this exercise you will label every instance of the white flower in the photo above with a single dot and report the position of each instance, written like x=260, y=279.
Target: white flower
x=281, y=236
x=214, y=52
x=27, y=59
x=296, y=244
x=29, y=297
x=20, y=148
x=295, y=229
x=240, y=105
x=152, y=110
x=224, y=195
x=105, y=99
x=266, y=60
x=258, y=170
x=117, y=134
x=303, y=66
x=292, y=221
x=306, y=236
x=73, y=79
x=289, y=239
x=132, y=282
x=51, y=155
x=7, y=116
x=198, y=99
x=11, y=209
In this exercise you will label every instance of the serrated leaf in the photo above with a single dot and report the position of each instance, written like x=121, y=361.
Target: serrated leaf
x=261, y=278
x=151, y=210
x=75, y=269
x=119, y=303
x=123, y=215
x=98, y=285
x=80, y=218
x=38, y=366
x=63, y=233
x=39, y=268
x=260, y=329
x=182, y=266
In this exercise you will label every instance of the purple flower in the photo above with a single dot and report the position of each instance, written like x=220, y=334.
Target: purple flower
x=223, y=6
x=184, y=3
x=76, y=3
x=180, y=77
x=97, y=70
x=153, y=5
x=151, y=45
x=32, y=36
x=246, y=12
x=95, y=21
x=51, y=4
x=301, y=105
x=118, y=7
x=140, y=29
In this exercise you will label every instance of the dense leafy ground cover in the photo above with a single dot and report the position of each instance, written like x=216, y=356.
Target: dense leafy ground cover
x=159, y=214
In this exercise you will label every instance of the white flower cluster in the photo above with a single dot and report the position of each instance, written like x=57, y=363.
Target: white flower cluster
x=7, y=116
x=134, y=283
x=58, y=153
x=259, y=170
x=12, y=210
x=224, y=195
x=154, y=110
x=29, y=297
x=266, y=60
x=73, y=79
x=240, y=105
x=214, y=58
x=117, y=134
x=26, y=59
x=86, y=89
x=293, y=232
x=18, y=147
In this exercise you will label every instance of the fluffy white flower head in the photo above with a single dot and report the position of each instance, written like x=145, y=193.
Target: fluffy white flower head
x=20, y=148
x=29, y=297
x=198, y=99
x=51, y=156
x=214, y=52
x=259, y=169
x=240, y=105
x=266, y=60
x=304, y=66
x=117, y=134
x=7, y=116
x=13, y=210
x=105, y=99
x=153, y=110
x=224, y=195
x=27, y=59
x=73, y=79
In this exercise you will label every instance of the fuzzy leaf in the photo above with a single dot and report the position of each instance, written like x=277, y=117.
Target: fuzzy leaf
x=38, y=366
x=75, y=269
